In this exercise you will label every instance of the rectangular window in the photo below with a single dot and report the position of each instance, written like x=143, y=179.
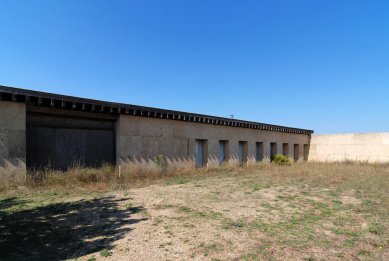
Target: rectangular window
x=306, y=152
x=259, y=151
x=296, y=152
x=223, y=151
x=201, y=153
x=242, y=152
x=273, y=150
x=285, y=149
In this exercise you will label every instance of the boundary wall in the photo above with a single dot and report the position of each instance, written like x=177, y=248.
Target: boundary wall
x=359, y=147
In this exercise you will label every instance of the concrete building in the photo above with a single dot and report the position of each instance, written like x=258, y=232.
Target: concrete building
x=41, y=129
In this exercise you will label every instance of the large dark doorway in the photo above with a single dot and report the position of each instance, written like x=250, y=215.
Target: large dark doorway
x=61, y=141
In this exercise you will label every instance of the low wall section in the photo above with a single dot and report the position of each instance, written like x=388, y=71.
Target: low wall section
x=363, y=147
x=140, y=140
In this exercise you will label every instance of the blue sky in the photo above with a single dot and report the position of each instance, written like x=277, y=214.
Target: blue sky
x=321, y=65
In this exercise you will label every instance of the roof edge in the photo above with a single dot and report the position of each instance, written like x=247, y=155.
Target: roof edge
x=51, y=100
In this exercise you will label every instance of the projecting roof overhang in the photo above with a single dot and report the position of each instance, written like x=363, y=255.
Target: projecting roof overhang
x=56, y=101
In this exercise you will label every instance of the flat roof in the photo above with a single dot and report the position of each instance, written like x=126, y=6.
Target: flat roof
x=57, y=101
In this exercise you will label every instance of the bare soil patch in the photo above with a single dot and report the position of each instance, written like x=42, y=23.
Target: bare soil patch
x=301, y=212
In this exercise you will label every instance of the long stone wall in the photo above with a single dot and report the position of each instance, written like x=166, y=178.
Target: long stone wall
x=39, y=130
x=12, y=142
x=362, y=147
x=140, y=140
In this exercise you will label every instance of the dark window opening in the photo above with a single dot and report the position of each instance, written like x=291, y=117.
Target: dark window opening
x=306, y=152
x=259, y=151
x=285, y=149
x=242, y=152
x=296, y=152
x=273, y=150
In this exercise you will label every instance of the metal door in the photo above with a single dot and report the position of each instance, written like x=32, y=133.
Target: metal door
x=240, y=152
x=62, y=142
x=258, y=151
x=199, y=153
x=222, y=152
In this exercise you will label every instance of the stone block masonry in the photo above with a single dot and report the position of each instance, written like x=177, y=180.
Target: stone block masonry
x=140, y=139
x=12, y=142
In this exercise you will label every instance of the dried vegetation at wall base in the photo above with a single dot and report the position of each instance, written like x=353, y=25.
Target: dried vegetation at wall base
x=299, y=212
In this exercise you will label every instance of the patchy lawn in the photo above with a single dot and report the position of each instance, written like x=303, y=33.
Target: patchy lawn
x=301, y=212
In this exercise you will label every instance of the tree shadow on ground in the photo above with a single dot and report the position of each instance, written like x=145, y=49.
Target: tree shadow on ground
x=63, y=230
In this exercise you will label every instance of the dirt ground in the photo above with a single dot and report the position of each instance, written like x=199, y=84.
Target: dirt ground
x=301, y=212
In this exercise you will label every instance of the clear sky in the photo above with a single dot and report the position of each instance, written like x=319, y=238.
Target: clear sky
x=321, y=65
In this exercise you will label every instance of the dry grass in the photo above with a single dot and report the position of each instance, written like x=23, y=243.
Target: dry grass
x=299, y=212
x=109, y=177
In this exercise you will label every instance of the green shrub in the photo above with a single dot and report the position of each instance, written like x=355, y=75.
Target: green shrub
x=281, y=160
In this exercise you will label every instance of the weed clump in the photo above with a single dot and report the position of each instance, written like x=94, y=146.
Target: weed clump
x=160, y=161
x=376, y=227
x=105, y=253
x=281, y=160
